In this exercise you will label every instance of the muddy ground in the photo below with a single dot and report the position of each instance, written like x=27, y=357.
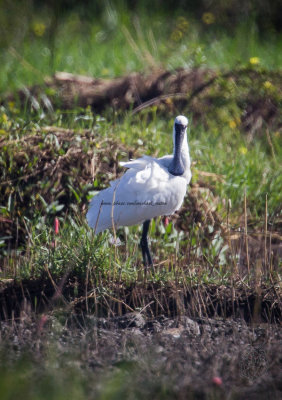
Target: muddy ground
x=177, y=358
x=174, y=352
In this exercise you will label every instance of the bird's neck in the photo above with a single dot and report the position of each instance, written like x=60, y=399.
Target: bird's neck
x=185, y=155
x=181, y=159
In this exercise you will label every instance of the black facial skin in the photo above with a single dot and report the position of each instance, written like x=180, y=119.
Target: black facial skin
x=176, y=168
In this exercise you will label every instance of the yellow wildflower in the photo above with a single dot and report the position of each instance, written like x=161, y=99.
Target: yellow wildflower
x=243, y=150
x=105, y=71
x=11, y=105
x=254, y=60
x=182, y=24
x=208, y=18
x=38, y=28
x=176, y=35
x=232, y=124
x=4, y=118
x=268, y=85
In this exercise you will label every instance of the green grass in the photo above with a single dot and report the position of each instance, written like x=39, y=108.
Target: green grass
x=243, y=163
x=118, y=42
x=30, y=380
x=238, y=164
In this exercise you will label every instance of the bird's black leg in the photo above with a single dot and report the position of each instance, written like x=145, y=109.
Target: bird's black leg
x=147, y=259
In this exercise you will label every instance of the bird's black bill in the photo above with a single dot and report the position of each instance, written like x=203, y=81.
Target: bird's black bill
x=176, y=167
x=147, y=259
x=179, y=129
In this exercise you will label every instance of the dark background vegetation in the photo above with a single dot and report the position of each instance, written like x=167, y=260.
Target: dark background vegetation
x=267, y=15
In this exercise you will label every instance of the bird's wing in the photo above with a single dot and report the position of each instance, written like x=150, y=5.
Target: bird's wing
x=146, y=162
x=139, y=163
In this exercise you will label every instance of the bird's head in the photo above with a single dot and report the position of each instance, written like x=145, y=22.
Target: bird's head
x=179, y=129
x=181, y=120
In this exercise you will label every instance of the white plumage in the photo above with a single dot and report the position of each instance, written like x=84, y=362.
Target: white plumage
x=149, y=188
x=145, y=191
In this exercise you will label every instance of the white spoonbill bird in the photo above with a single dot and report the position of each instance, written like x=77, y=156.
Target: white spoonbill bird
x=149, y=188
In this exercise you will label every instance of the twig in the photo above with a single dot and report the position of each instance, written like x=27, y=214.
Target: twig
x=234, y=265
x=270, y=144
x=157, y=100
x=119, y=301
x=113, y=222
x=221, y=178
x=144, y=308
x=265, y=234
x=98, y=216
x=246, y=232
